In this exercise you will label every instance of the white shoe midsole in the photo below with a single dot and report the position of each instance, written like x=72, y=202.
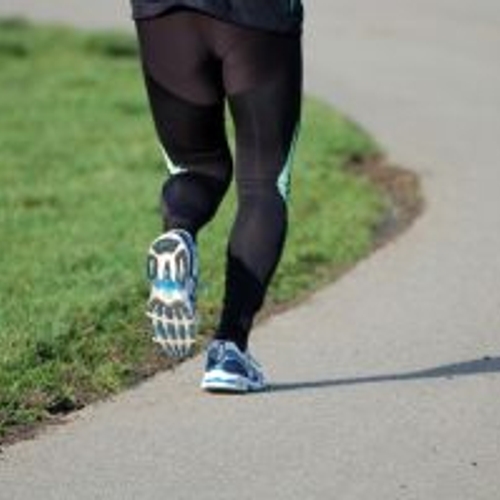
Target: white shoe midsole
x=219, y=379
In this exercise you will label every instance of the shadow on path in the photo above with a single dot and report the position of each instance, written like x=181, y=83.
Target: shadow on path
x=473, y=367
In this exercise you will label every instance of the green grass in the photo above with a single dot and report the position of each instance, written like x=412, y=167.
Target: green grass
x=80, y=173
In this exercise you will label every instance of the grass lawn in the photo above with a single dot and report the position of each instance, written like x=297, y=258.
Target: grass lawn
x=80, y=173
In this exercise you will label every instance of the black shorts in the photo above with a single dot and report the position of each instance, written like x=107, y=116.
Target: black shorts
x=280, y=16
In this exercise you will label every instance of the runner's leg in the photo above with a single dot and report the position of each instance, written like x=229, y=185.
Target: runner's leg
x=263, y=79
x=184, y=85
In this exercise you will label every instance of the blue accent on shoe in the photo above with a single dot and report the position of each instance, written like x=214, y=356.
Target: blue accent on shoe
x=166, y=285
x=212, y=356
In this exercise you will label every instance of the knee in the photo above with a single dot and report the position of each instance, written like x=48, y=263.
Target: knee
x=262, y=192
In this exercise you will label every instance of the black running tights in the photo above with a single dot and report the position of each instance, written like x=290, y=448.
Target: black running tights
x=193, y=64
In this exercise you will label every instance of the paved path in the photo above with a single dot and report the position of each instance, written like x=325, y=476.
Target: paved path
x=382, y=389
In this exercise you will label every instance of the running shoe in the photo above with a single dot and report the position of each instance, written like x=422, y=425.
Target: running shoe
x=172, y=270
x=230, y=370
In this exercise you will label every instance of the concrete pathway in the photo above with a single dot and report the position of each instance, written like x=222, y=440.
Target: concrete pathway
x=387, y=382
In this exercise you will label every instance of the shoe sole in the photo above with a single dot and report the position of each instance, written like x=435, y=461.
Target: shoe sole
x=173, y=320
x=220, y=382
